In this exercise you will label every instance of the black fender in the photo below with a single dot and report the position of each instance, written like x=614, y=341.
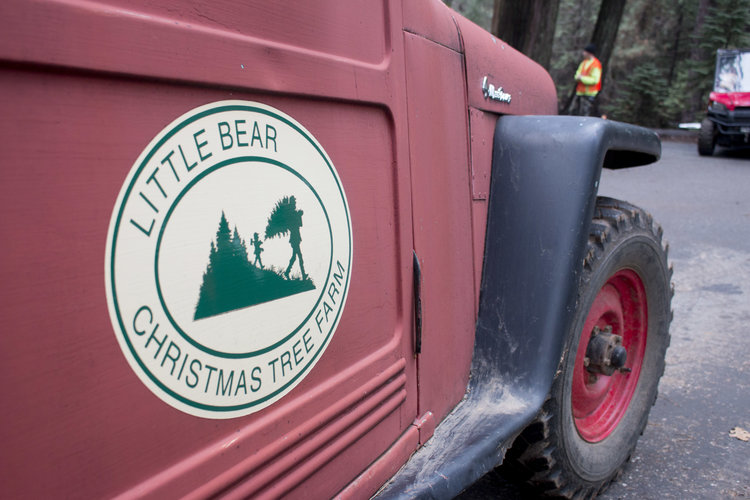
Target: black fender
x=545, y=177
x=544, y=181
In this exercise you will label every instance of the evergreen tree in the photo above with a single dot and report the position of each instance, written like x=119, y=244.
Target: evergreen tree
x=239, y=248
x=232, y=282
x=727, y=25
x=223, y=235
x=663, y=58
x=642, y=96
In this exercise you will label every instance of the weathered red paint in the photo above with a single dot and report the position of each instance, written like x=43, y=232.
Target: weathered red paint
x=531, y=88
x=442, y=206
x=392, y=91
x=433, y=21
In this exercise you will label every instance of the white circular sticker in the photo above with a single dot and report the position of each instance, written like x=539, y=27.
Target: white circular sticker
x=228, y=259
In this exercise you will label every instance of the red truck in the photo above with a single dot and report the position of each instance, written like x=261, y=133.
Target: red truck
x=310, y=249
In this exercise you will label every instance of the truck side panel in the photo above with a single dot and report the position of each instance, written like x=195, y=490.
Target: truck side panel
x=442, y=208
x=87, y=86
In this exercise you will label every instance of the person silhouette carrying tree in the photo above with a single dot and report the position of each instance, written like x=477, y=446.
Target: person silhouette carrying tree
x=286, y=218
x=258, y=249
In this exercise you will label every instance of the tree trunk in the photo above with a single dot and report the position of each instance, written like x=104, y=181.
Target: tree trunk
x=604, y=37
x=675, y=48
x=696, y=55
x=528, y=26
x=605, y=31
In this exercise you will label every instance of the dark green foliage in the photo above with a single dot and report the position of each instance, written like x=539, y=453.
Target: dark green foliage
x=727, y=26
x=232, y=282
x=641, y=97
x=662, y=66
x=281, y=218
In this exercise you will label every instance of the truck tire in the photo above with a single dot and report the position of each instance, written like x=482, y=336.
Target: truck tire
x=590, y=423
x=706, y=138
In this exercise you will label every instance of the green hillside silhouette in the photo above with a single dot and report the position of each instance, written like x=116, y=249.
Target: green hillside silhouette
x=232, y=282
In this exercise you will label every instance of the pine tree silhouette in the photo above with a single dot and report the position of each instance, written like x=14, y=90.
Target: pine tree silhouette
x=232, y=282
x=239, y=249
x=223, y=236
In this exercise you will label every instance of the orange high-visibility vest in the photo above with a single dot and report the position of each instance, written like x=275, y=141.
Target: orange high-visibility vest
x=586, y=68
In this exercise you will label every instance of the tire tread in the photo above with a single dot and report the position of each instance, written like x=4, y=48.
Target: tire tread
x=532, y=456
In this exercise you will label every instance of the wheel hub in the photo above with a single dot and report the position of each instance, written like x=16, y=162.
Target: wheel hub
x=609, y=356
x=605, y=353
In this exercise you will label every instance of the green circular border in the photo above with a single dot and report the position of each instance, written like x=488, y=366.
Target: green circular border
x=126, y=196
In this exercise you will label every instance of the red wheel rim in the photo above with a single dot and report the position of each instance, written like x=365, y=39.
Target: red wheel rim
x=599, y=402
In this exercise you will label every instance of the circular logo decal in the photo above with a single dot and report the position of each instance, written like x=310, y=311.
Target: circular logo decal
x=228, y=259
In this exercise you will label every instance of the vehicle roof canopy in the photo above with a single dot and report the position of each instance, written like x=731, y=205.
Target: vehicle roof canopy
x=732, y=70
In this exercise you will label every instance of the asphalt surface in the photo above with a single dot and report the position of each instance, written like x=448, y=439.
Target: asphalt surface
x=693, y=445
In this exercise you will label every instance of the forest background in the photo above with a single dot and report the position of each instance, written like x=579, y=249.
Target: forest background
x=659, y=56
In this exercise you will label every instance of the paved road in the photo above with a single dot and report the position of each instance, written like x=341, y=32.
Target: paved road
x=687, y=449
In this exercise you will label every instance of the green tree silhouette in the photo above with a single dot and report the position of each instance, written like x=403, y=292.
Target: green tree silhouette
x=232, y=282
x=223, y=236
x=239, y=249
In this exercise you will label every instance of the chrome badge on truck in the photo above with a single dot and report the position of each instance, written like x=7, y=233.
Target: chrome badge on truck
x=496, y=94
x=228, y=259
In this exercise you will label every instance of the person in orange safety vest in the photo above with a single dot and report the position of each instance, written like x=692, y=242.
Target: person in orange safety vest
x=589, y=78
